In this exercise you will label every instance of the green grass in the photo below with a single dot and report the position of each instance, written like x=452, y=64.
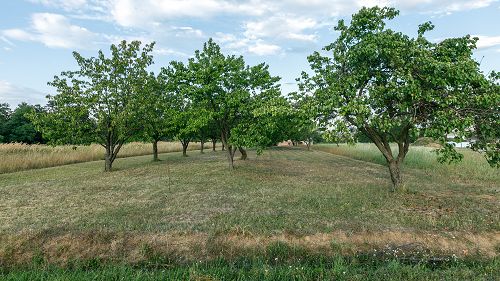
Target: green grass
x=190, y=209
x=473, y=166
x=292, y=191
x=337, y=268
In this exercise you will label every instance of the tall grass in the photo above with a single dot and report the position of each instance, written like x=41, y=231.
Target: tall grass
x=18, y=156
x=473, y=165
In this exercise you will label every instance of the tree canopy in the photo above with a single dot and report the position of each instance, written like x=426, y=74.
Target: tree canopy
x=101, y=101
x=391, y=86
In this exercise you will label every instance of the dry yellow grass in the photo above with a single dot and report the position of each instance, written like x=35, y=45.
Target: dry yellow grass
x=18, y=156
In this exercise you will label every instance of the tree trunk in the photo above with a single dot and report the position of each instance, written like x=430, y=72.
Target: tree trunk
x=110, y=156
x=184, y=148
x=108, y=164
x=229, y=148
x=214, y=143
x=155, y=151
x=223, y=147
x=243, y=152
x=202, y=146
x=396, y=177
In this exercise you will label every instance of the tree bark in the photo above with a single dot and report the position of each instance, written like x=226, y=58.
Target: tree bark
x=223, y=147
x=229, y=148
x=110, y=156
x=243, y=152
x=396, y=177
x=155, y=151
x=185, y=145
x=108, y=164
x=202, y=146
x=214, y=143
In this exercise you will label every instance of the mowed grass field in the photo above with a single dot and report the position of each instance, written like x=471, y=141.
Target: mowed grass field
x=288, y=213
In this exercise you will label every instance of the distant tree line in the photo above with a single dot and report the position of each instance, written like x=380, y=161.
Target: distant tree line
x=16, y=127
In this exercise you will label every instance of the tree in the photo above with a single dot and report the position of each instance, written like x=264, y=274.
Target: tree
x=5, y=113
x=188, y=118
x=304, y=119
x=224, y=85
x=18, y=128
x=485, y=111
x=100, y=102
x=157, y=110
x=390, y=86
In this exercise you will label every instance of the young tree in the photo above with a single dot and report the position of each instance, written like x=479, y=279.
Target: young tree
x=157, y=110
x=188, y=118
x=389, y=86
x=100, y=102
x=225, y=85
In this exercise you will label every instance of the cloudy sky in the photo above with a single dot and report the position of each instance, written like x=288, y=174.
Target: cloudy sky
x=38, y=36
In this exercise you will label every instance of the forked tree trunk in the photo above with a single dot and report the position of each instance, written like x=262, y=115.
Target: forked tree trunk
x=110, y=156
x=202, y=146
x=394, y=163
x=243, y=152
x=214, y=143
x=155, y=151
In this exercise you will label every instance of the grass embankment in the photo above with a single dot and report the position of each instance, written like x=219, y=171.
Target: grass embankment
x=181, y=211
x=18, y=157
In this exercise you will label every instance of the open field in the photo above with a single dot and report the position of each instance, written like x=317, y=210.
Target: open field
x=195, y=209
x=18, y=157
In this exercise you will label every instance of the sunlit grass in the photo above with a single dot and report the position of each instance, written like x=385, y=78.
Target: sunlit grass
x=473, y=165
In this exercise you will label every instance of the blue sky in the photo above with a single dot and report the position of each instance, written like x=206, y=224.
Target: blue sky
x=37, y=37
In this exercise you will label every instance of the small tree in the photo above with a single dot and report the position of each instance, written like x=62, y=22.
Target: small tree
x=100, y=102
x=158, y=110
x=225, y=86
x=188, y=118
x=390, y=86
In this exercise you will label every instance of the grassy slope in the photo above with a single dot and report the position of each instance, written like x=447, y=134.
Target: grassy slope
x=313, y=198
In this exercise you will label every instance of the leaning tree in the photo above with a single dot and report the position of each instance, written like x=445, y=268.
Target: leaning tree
x=100, y=102
x=390, y=86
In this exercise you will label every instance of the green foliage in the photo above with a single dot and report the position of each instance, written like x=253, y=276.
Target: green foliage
x=228, y=90
x=16, y=127
x=389, y=86
x=100, y=102
x=4, y=117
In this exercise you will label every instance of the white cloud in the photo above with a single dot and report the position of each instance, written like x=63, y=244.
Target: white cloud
x=169, y=51
x=262, y=49
x=14, y=95
x=63, y=4
x=187, y=31
x=141, y=13
x=281, y=26
x=53, y=30
x=487, y=41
